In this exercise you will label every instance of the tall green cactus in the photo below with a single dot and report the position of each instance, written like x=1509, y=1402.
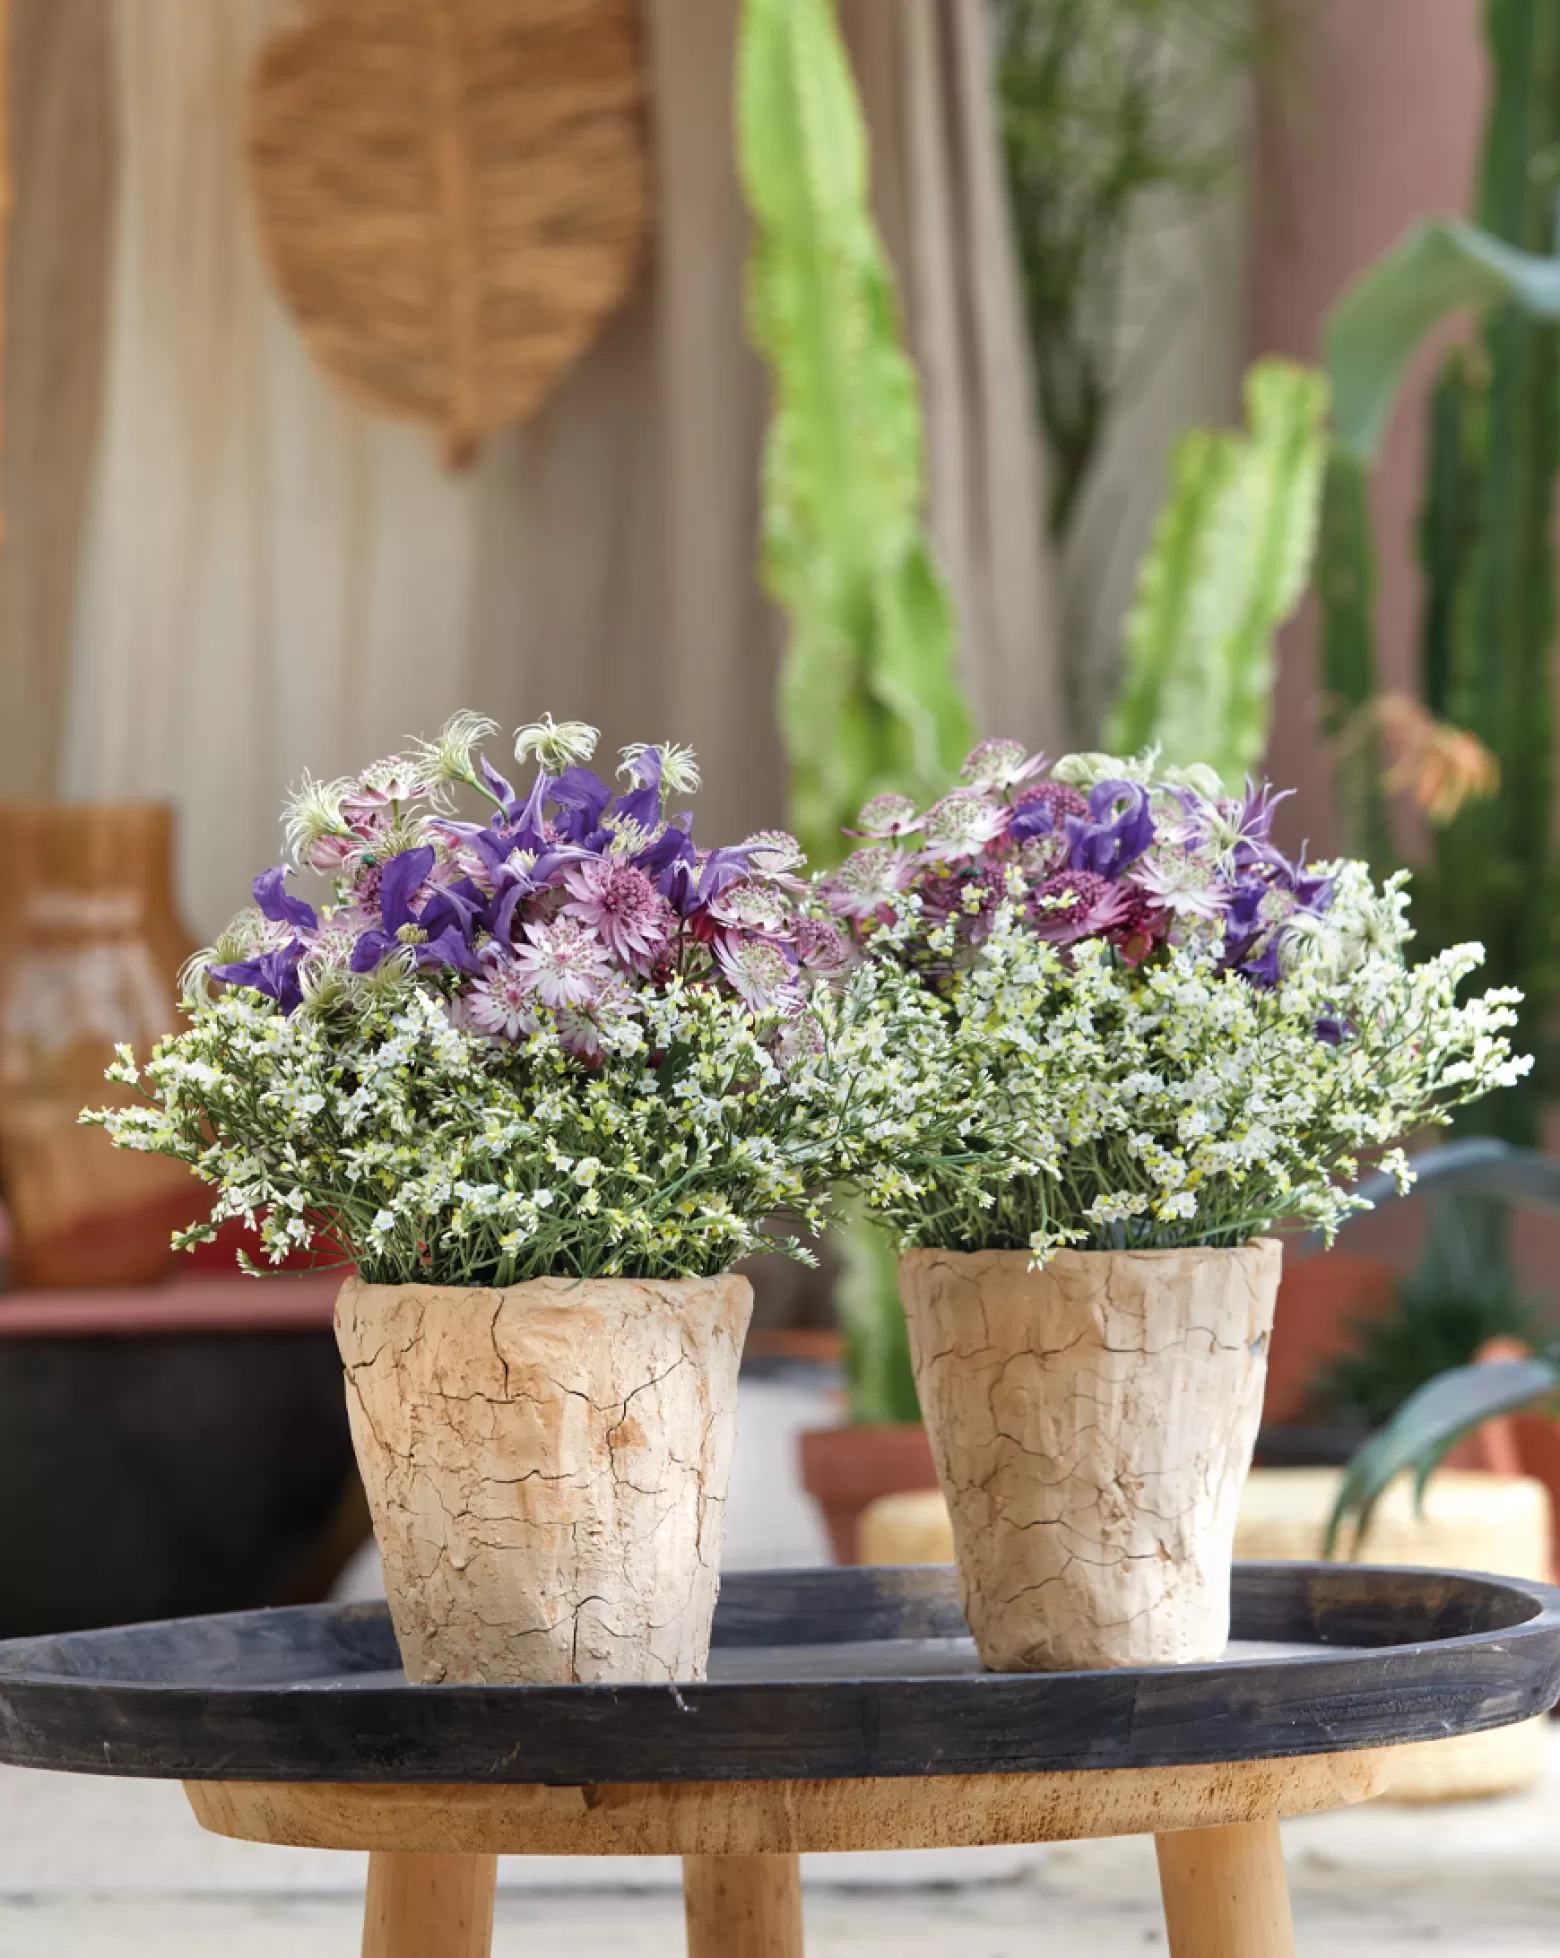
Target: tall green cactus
x=1228, y=562
x=1485, y=530
x=869, y=698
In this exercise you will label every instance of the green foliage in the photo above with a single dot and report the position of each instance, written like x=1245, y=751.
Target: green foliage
x=1431, y=1423
x=1104, y=107
x=1443, y=267
x=1229, y=560
x=1442, y=1316
x=869, y=698
x=872, y=1319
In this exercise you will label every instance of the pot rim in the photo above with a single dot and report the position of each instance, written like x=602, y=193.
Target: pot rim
x=1257, y=1244
x=553, y=1288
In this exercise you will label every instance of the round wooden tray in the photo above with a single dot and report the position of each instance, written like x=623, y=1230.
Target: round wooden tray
x=815, y=1675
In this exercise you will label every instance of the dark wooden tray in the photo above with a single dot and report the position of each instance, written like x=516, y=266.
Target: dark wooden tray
x=815, y=1674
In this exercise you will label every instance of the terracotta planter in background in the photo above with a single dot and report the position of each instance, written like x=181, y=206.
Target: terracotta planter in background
x=1092, y=1425
x=547, y=1469
x=844, y=1469
x=90, y=951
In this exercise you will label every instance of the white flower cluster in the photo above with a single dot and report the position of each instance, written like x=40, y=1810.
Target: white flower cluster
x=422, y=1151
x=1037, y=1096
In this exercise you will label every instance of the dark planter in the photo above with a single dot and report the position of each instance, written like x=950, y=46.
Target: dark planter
x=171, y=1452
x=844, y=1469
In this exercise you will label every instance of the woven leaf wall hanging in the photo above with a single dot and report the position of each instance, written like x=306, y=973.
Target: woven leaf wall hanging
x=454, y=194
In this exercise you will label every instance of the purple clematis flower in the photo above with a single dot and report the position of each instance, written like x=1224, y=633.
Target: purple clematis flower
x=403, y=877
x=688, y=884
x=1117, y=830
x=274, y=973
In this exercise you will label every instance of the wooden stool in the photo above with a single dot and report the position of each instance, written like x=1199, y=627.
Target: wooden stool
x=846, y=1710
x=434, y=1847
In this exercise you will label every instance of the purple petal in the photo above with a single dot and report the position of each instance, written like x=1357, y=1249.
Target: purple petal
x=642, y=803
x=403, y=877
x=581, y=796
x=497, y=786
x=272, y=897
x=275, y=974
x=449, y=948
x=370, y=949
x=503, y=924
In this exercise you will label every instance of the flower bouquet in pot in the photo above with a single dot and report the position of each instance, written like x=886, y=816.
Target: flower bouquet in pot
x=1109, y=1039
x=541, y=1079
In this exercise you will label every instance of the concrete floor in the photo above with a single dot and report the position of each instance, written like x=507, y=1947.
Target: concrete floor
x=106, y=1869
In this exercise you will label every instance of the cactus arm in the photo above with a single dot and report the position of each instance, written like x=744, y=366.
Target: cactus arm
x=868, y=697
x=1228, y=562
x=1448, y=522
x=1346, y=589
x=1202, y=464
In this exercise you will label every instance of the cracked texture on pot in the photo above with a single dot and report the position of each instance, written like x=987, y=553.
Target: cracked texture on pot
x=547, y=1468
x=1093, y=1424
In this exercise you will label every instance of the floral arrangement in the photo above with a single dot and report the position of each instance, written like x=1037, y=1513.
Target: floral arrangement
x=1096, y=1006
x=563, y=1040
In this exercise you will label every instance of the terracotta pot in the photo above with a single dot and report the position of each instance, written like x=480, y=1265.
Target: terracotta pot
x=1092, y=1425
x=547, y=1468
x=844, y=1469
x=90, y=953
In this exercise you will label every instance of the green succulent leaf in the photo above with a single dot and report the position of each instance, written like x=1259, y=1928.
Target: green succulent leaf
x=1436, y=269
x=869, y=696
x=1428, y=1425
x=1227, y=564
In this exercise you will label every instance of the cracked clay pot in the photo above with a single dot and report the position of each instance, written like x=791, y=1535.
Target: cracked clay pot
x=547, y=1467
x=1093, y=1424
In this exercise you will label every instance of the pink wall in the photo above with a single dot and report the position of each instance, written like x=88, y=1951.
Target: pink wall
x=1370, y=119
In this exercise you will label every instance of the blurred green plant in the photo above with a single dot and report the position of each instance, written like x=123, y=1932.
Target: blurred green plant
x=869, y=698
x=1105, y=104
x=1229, y=561
x=880, y=1379
x=1442, y=1315
x=1431, y=1423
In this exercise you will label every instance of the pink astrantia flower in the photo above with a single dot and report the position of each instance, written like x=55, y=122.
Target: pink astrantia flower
x=869, y=879
x=622, y=907
x=502, y=1004
x=760, y=974
x=751, y=907
x=962, y=824
x=775, y=853
x=999, y=765
x=888, y=815
x=563, y=962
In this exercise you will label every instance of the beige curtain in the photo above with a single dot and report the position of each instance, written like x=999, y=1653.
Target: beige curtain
x=59, y=131
x=271, y=581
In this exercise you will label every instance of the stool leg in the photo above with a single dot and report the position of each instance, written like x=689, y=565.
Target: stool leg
x=425, y=1906
x=1225, y=1894
x=743, y=1906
